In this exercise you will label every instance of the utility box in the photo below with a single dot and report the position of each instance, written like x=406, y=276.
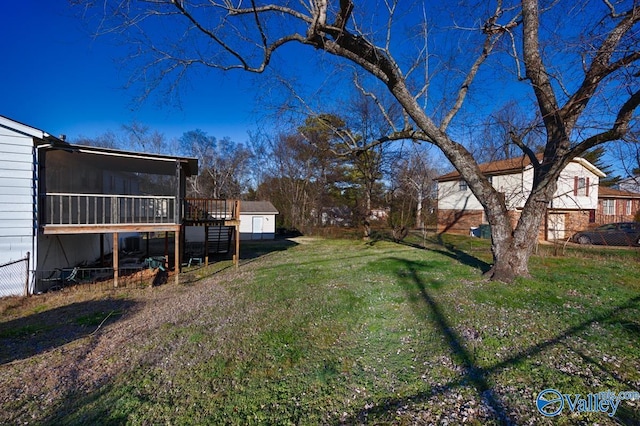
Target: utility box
x=485, y=231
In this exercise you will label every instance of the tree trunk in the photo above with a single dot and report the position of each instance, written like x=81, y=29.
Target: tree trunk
x=509, y=261
x=419, y=223
x=512, y=249
x=366, y=225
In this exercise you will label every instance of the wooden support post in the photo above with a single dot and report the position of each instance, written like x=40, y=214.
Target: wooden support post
x=177, y=263
x=206, y=245
x=115, y=259
x=236, y=257
x=102, y=250
x=183, y=244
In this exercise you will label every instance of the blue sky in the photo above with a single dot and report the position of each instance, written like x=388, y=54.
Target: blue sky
x=58, y=78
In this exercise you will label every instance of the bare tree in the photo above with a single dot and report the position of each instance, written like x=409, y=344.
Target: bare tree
x=292, y=180
x=579, y=61
x=628, y=154
x=105, y=140
x=223, y=165
x=413, y=177
x=368, y=161
x=503, y=132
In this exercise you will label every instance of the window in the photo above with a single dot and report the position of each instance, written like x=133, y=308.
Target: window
x=609, y=207
x=462, y=185
x=490, y=179
x=627, y=207
x=580, y=186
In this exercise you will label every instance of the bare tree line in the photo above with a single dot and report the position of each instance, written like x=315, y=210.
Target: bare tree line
x=312, y=178
x=571, y=69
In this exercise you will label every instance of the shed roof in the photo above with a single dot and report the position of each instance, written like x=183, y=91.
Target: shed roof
x=257, y=207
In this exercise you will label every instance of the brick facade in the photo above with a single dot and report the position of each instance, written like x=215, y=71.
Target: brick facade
x=569, y=222
x=616, y=205
x=620, y=207
x=577, y=221
x=459, y=221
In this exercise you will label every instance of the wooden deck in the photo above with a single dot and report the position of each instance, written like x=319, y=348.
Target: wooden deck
x=114, y=214
x=203, y=211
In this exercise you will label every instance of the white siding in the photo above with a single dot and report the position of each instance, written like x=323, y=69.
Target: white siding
x=16, y=205
x=565, y=197
x=268, y=226
x=516, y=188
x=451, y=197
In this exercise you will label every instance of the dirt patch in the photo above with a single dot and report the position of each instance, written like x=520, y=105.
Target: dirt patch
x=304, y=240
x=76, y=340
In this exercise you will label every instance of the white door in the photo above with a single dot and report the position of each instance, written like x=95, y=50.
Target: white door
x=256, y=228
x=555, y=226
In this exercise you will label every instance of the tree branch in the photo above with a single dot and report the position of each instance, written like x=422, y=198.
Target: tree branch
x=601, y=67
x=617, y=131
x=493, y=33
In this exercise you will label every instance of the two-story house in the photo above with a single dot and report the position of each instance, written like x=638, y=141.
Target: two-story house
x=573, y=207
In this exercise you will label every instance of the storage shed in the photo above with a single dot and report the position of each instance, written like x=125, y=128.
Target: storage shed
x=257, y=220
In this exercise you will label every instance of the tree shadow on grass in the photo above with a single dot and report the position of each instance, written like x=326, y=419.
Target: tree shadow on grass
x=24, y=337
x=450, y=250
x=481, y=378
x=251, y=250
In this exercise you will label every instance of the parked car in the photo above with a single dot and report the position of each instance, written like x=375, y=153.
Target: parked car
x=611, y=234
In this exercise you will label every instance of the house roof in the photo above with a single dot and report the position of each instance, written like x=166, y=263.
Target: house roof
x=257, y=207
x=606, y=192
x=130, y=161
x=24, y=129
x=135, y=161
x=514, y=165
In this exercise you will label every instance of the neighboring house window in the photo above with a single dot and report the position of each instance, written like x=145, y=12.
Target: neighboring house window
x=462, y=185
x=490, y=179
x=627, y=207
x=609, y=207
x=581, y=186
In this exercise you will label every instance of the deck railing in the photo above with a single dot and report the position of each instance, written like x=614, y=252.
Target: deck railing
x=106, y=209
x=210, y=210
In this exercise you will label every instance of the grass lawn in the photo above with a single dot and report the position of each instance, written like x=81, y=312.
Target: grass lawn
x=321, y=331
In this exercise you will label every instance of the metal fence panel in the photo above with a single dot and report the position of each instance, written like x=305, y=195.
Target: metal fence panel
x=14, y=278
